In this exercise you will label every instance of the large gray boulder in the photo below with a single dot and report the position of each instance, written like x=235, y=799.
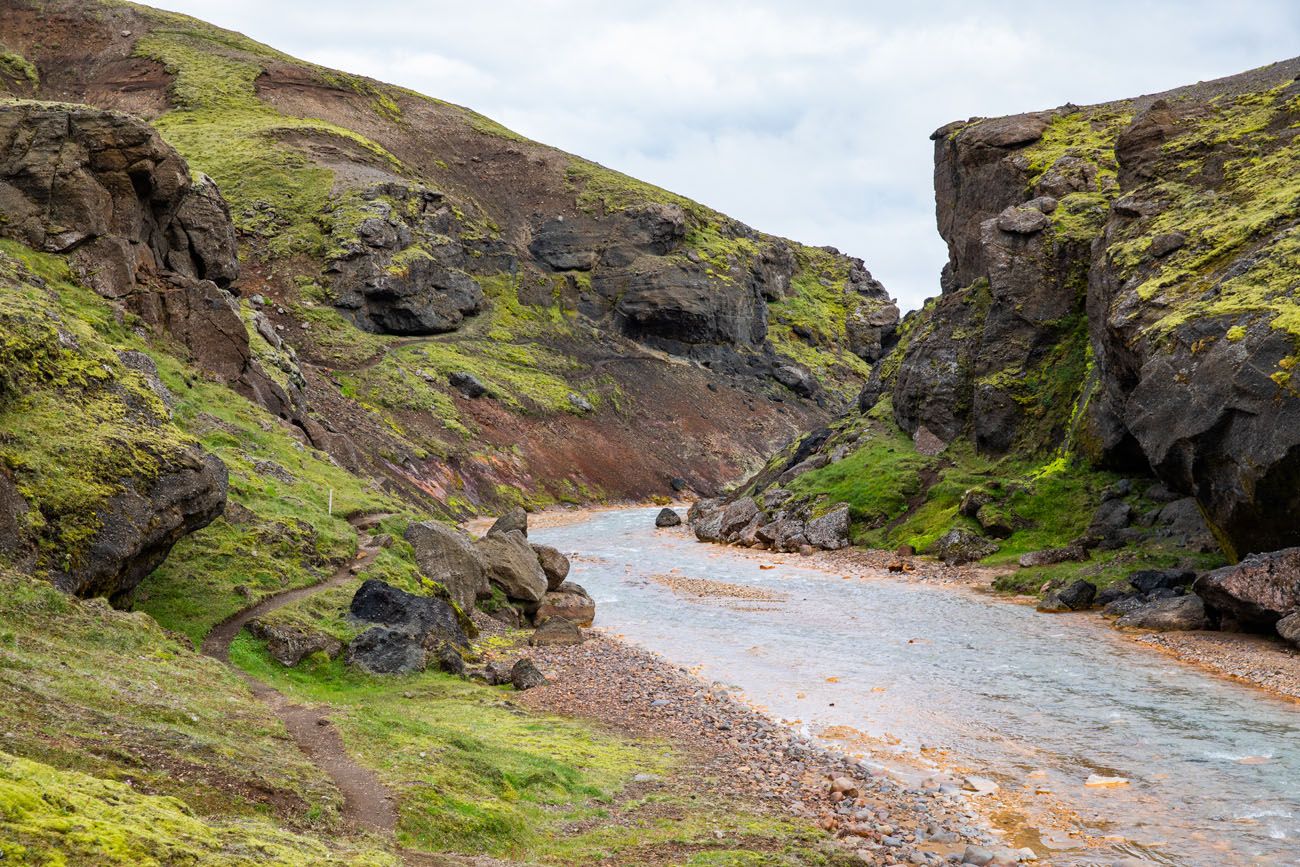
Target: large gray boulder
x=554, y=565
x=1256, y=593
x=515, y=520
x=1181, y=613
x=449, y=557
x=667, y=518
x=289, y=645
x=960, y=546
x=512, y=565
x=831, y=530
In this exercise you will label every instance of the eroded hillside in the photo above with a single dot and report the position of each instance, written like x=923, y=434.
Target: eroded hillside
x=390, y=242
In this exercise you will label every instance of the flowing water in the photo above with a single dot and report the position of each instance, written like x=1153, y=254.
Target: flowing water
x=1037, y=702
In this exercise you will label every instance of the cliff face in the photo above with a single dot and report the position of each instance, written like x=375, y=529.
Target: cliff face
x=1120, y=297
x=389, y=238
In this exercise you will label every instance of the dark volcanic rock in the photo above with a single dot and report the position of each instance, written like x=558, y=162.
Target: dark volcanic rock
x=467, y=384
x=1289, y=628
x=524, y=675
x=1051, y=556
x=419, y=616
x=1150, y=580
x=107, y=189
x=449, y=557
x=831, y=530
x=1257, y=592
x=141, y=523
x=1077, y=596
x=667, y=518
x=381, y=650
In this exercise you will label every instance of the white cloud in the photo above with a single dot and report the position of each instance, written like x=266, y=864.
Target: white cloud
x=809, y=120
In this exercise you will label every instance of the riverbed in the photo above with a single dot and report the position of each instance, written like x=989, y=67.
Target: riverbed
x=912, y=676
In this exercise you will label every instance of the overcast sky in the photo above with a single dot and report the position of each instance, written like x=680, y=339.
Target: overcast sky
x=804, y=118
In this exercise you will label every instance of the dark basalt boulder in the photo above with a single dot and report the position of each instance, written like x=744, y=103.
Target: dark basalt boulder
x=829, y=531
x=467, y=384
x=449, y=557
x=554, y=565
x=667, y=518
x=1256, y=593
x=382, y=650
x=420, y=617
x=524, y=675
x=1076, y=596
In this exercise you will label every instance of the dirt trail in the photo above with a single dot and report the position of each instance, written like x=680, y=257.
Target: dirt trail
x=367, y=804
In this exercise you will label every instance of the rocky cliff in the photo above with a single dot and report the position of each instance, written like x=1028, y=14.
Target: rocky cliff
x=1117, y=325
x=391, y=242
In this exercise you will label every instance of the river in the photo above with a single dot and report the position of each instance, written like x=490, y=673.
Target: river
x=950, y=676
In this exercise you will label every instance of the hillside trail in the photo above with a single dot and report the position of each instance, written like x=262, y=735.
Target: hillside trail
x=367, y=803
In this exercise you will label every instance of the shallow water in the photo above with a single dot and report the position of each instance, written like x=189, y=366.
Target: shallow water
x=1034, y=701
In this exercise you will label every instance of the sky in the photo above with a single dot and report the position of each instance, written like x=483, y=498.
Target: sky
x=806, y=119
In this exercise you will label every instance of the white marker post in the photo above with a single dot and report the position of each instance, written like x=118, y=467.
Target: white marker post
x=331, y=506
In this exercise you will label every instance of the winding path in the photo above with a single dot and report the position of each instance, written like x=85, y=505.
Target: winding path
x=367, y=803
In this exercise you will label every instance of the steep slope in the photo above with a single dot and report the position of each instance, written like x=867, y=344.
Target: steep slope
x=1120, y=300
x=392, y=241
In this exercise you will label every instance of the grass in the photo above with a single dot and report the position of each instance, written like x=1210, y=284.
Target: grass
x=54, y=817
x=19, y=68
x=87, y=689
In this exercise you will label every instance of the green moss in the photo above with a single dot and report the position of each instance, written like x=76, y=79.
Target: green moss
x=224, y=130
x=79, y=426
x=19, y=68
x=48, y=816
x=103, y=692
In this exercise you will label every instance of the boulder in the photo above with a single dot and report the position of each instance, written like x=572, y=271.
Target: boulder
x=700, y=508
x=667, y=518
x=1110, y=516
x=1289, y=628
x=736, y=516
x=1052, y=556
x=515, y=520
x=708, y=525
x=449, y=557
x=1077, y=596
x=289, y=645
x=1123, y=605
x=786, y=534
x=1149, y=580
x=512, y=565
x=524, y=675
x=383, y=650
x=379, y=602
x=831, y=530
x=467, y=384
x=556, y=631
x=555, y=566
x=960, y=546
x=569, y=601
x=445, y=658
x=1256, y=593
x=1181, y=613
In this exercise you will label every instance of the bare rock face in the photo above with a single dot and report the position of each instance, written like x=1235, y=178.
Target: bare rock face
x=106, y=188
x=1256, y=593
x=403, y=267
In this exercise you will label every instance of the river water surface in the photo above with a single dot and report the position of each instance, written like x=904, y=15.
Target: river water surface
x=1037, y=702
